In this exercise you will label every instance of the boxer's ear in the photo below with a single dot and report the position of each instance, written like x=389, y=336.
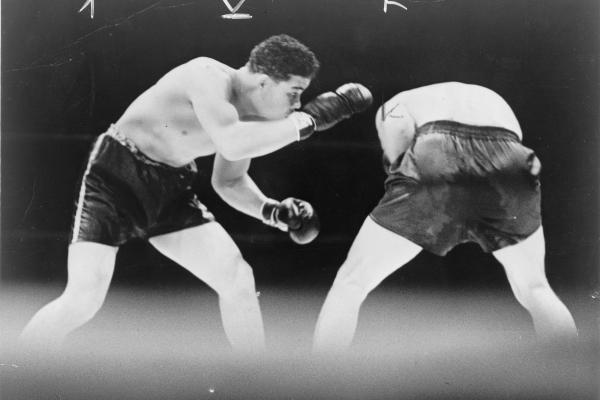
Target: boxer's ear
x=264, y=80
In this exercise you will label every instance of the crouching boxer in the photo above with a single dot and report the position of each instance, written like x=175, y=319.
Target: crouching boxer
x=457, y=172
x=138, y=181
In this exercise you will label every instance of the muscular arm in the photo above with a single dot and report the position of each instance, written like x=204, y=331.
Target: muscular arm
x=239, y=140
x=231, y=181
x=395, y=128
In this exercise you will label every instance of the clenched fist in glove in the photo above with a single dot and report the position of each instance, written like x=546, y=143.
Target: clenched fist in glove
x=294, y=216
x=329, y=108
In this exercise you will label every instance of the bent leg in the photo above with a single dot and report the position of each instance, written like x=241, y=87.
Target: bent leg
x=208, y=252
x=374, y=255
x=90, y=270
x=524, y=266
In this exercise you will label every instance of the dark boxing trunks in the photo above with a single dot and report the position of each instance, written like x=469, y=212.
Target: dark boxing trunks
x=126, y=195
x=459, y=183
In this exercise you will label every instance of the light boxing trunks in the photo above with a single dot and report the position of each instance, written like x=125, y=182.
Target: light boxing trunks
x=460, y=183
x=125, y=195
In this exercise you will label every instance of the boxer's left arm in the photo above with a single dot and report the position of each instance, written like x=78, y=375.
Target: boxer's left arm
x=395, y=128
x=232, y=183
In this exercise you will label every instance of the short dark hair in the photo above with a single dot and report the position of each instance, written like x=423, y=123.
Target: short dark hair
x=281, y=56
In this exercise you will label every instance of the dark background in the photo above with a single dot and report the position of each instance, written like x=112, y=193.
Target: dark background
x=66, y=77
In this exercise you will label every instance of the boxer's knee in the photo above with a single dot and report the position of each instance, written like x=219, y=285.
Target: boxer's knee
x=88, y=283
x=239, y=282
x=530, y=293
x=351, y=283
x=83, y=302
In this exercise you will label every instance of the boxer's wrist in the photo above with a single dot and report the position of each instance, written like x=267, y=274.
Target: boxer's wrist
x=268, y=213
x=305, y=124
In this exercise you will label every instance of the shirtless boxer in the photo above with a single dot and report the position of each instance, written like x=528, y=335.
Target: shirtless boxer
x=137, y=183
x=457, y=172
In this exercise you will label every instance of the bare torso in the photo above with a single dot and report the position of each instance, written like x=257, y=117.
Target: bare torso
x=162, y=122
x=459, y=102
x=475, y=105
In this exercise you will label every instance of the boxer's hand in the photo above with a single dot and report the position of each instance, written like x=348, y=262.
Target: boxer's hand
x=329, y=108
x=297, y=217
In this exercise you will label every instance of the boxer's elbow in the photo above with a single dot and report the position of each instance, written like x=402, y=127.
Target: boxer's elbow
x=230, y=147
x=224, y=186
x=232, y=152
x=234, y=144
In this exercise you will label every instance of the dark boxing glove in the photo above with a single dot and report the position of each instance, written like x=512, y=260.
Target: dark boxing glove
x=329, y=108
x=297, y=217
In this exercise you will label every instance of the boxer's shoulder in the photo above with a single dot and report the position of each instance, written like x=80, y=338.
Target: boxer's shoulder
x=202, y=73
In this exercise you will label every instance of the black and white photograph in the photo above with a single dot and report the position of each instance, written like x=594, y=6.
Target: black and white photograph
x=300, y=199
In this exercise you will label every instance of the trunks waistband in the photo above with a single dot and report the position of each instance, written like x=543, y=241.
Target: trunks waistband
x=114, y=133
x=463, y=130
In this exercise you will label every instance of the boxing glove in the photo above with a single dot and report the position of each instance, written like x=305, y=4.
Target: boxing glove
x=329, y=108
x=297, y=217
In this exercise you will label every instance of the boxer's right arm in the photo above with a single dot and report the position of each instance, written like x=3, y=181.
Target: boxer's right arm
x=237, y=140
x=330, y=108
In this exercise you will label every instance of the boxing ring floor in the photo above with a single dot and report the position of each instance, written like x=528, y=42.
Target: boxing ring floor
x=168, y=343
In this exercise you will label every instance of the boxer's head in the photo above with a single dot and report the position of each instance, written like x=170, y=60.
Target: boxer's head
x=282, y=56
x=285, y=68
